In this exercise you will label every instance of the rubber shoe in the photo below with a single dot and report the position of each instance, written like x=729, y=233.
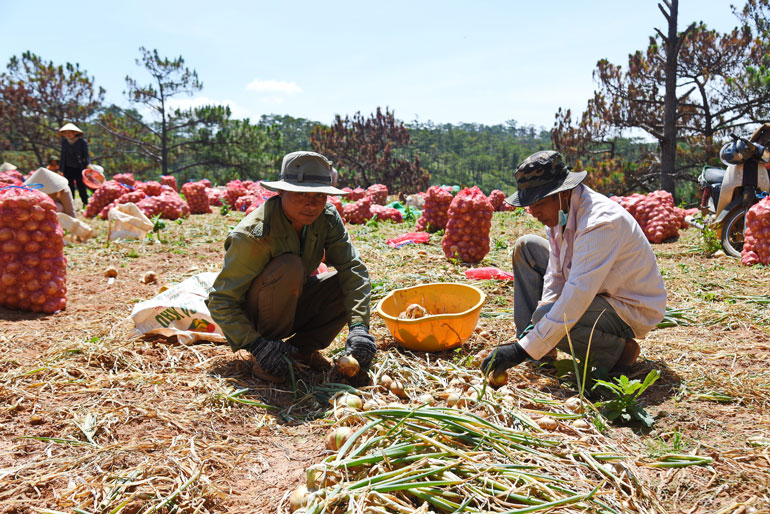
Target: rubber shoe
x=261, y=374
x=315, y=360
x=629, y=355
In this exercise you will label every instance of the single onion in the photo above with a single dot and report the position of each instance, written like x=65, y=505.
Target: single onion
x=298, y=498
x=348, y=365
x=547, y=423
x=349, y=400
x=337, y=437
x=397, y=388
x=498, y=378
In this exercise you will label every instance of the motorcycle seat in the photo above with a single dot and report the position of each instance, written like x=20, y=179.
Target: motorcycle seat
x=714, y=175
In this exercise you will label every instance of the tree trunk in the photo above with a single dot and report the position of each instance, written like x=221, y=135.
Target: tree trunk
x=668, y=143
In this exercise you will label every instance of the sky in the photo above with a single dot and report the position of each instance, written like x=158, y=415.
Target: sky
x=441, y=61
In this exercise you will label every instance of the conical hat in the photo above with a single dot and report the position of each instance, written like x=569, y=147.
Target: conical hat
x=70, y=126
x=7, y=166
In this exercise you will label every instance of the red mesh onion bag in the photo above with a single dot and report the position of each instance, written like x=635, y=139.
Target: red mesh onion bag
x=654, y=212
x=356, y=194
x=358, y=212
x=378, y=194
x=32, y=262
x=337, y=203
x=125, y=178
x=467, y=231
x=196, y=197
x=169, y=205
x=434, y=211
x=387, y=213
x=170, y=181
x=215, y=196
x=235, y=189
x=104, y=195
x=756, y=245
x=133, y=196
x=150, y=188
x=496, y=198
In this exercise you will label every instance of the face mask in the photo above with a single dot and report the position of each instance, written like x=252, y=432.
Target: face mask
x=562, y=215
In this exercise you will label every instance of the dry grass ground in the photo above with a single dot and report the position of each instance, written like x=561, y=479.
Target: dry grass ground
x=93, y=421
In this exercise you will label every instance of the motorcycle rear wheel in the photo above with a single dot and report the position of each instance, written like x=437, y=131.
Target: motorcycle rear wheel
x=732, y=232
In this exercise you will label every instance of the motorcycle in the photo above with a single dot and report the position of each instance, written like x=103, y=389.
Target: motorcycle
x=728, y=194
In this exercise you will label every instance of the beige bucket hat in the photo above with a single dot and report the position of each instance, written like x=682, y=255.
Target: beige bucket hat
x=70, y=126
x=305, y=172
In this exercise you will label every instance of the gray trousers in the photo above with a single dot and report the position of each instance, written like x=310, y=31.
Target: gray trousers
x=283, y=302
x=608, y=337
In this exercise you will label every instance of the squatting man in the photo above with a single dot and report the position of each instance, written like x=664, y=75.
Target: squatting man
x=265, y=299
x=596, y=274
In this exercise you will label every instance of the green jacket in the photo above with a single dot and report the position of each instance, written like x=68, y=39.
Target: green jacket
x=265, y=234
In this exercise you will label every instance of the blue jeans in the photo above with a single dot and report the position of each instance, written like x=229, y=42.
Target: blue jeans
x=600, y=324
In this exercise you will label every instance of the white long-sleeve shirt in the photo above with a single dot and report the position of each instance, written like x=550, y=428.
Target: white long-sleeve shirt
x=601, y=251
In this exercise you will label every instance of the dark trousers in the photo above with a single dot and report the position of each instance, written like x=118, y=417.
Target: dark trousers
x=282, y=302
x=75, y=176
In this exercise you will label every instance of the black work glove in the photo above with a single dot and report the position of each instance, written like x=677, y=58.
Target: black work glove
x=360, y=344
x=272, y=355
x=503, y=357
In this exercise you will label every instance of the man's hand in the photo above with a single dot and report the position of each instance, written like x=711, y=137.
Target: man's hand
x=272, y=356
x=360, y=344
x=503, y=357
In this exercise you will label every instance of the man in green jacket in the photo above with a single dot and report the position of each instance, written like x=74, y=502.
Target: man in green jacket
x=265, y=299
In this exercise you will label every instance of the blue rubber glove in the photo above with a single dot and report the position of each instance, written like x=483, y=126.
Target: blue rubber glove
x=503, y=357
x=360, y=344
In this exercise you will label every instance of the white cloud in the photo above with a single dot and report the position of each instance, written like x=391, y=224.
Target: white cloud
x=274, y=86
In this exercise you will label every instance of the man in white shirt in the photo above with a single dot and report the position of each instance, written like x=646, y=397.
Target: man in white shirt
x=596, y=274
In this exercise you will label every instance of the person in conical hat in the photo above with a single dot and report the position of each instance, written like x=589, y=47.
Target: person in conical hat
x=74, y=159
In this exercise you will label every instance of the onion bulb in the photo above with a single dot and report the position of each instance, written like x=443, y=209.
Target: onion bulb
x=574, y=404
x=397, y=388
x=349, y=400
x=298, y=498
x=348, y=365
x=498, y=378
x=337, y=437
x=547, y=423
x=386, y=381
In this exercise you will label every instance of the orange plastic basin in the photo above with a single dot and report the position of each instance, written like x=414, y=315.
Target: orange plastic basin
x=453, y=313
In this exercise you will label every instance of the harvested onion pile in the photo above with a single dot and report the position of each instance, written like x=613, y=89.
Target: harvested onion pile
x=32, y=262
x=387, y=213
x=169, y=205
x=197, y=199
x=151, y=187
x=756, y=247
x=103, y=196
x=496, y=198
x=378, y=194
x=170, y=181
x=337, y=203
x=358, y=212
x=125, y=178
x=467, y=231
x=132, y=196
x=434, y=214
x=654, y=212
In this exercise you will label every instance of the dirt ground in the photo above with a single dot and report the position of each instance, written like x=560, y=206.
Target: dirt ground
x=94, y=420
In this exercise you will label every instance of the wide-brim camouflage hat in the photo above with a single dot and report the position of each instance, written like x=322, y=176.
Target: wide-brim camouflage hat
x=305, y=172
x=543, y=174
